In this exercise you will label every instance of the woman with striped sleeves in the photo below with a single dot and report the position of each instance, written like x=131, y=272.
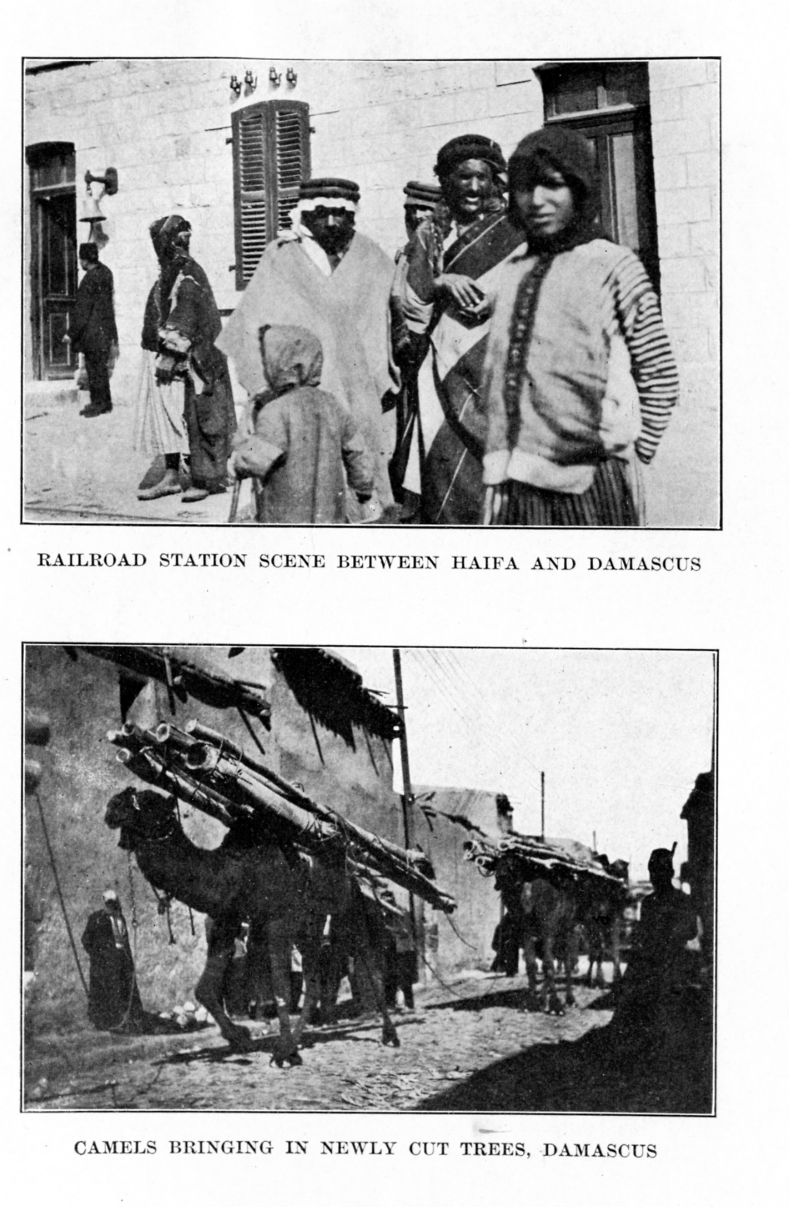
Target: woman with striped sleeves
x=579, y=378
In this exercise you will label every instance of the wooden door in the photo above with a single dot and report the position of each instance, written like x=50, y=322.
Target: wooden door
x=58, y=269
x=54, y=257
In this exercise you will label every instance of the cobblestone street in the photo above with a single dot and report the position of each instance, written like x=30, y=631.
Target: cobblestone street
x=468, y=1046
x=456, y=1031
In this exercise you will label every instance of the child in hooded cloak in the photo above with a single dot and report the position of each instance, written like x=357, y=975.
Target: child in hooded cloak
x=304, y=449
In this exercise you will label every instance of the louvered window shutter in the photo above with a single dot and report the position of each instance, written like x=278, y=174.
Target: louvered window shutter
x=271, y=156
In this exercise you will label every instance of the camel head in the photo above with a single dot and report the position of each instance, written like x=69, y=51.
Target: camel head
x=140, y=816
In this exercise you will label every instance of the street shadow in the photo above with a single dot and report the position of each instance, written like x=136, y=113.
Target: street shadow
x=603, y=1072
x=517, y=998
x=513, y=999
x=348, y=1033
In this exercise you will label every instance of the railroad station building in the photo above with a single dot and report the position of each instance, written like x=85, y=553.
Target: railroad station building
x=225, y=142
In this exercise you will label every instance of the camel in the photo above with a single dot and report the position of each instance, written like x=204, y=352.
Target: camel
x=602, y=922
x=550, y=918
x=285, y=895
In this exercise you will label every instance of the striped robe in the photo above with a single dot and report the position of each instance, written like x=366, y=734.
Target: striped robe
x=579, y=384
x=445, y=463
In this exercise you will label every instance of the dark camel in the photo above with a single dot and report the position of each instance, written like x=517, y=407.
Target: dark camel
x=287, y=898
x=550, y=919
x=602, y=920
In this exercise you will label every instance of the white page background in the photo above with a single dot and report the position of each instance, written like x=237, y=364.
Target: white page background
x=736, y=603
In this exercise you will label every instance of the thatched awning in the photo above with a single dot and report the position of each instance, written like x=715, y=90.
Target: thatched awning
x=331, y=690
x=187, y=673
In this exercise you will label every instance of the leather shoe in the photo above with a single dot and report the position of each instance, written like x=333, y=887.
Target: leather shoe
x=91, y=412
x=159, y=490
x=195, y=494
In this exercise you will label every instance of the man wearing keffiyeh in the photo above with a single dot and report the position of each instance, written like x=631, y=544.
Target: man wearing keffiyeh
x=323, y=275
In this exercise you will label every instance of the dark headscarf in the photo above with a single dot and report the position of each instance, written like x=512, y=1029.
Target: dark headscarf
x=568, y=152
x=165, y=234
x=468, y=146
x=171, y=250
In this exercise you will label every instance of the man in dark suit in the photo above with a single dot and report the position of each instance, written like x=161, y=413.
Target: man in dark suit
x=93, y=331
x=114, y=1002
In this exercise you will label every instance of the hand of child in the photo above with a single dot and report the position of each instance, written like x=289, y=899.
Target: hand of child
x=371, y=508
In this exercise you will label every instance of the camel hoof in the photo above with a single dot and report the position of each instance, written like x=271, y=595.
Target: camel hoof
x=240, y=1040
x=286, y=1062
x=285, y=1055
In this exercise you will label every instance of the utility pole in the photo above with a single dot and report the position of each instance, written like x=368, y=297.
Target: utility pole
x=407, y=799
x=542, y=805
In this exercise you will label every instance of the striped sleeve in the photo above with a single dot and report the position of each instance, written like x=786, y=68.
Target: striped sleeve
x=637, y=314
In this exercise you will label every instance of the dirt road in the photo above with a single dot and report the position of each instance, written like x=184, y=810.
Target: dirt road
x=468, y=1046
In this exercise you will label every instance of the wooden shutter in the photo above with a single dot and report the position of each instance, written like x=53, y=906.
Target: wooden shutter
x=271, y=157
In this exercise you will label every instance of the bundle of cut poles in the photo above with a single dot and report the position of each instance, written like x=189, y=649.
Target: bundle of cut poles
x=209, y=771
x=545, y=861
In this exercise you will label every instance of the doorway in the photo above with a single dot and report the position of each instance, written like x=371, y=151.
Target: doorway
x=53, y=268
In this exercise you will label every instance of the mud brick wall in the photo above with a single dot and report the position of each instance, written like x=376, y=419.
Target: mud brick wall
x=80, y=774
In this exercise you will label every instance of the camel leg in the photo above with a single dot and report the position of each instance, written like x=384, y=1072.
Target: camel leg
x=570, y=963
x=550, y=998
x=310, y=947
x=616, y=946
x=530, y=956
x=279, y=943
x=209, y=990
x=363, y=949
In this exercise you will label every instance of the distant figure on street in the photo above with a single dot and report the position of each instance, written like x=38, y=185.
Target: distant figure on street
x=92, y=330
x=401, y=966
x=651, y=995
x=323, y=275
x=507, y=940
x=114, y=1002
x=303, y=442
x=185, y=405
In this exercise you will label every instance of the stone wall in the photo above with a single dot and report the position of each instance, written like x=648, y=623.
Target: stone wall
x=685, y=108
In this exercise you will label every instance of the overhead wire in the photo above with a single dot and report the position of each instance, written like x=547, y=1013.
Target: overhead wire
x=460, y=706
x=460, y=669
x=455, y=692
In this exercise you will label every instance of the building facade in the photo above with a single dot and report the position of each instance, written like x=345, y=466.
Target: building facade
x=324, y=731
x=225, y=143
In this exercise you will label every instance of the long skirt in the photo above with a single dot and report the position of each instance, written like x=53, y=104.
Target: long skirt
x=612, y=501
x=159, y=423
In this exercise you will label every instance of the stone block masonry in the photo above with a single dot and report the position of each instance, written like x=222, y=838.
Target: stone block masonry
x=164, y=124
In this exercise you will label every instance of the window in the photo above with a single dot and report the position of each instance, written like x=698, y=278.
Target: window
x=609, y=104
x=271, y=157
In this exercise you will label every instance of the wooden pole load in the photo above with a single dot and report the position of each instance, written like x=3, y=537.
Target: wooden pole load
x=290, y=792
x=215, y=779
